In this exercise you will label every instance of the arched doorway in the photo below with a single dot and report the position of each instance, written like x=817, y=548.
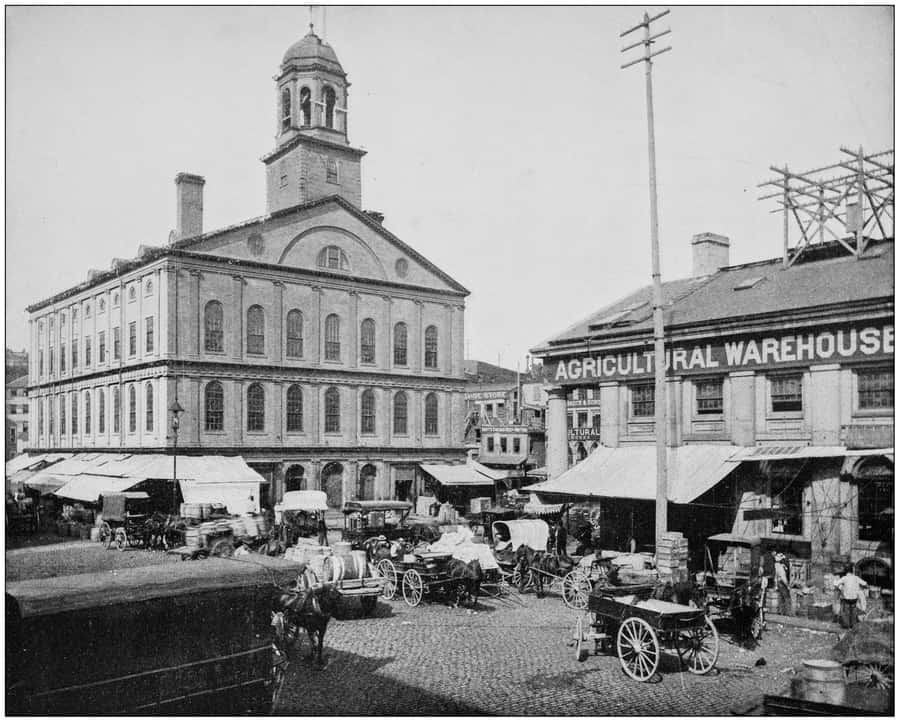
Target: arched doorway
x=295, y=478
x=580, y=451
x=333, y=483
x=366, y=484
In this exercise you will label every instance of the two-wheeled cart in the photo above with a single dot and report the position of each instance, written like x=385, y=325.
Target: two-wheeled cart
x=626, y=621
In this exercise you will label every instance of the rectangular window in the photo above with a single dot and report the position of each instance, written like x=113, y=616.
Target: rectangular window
x=148, y=340
x=517, y=445
x=490, y=444
x=132, y=338
x=41, y=362
x=787, y=393
x=283, y=181
x=74, y=413
x=642, y=404
x=876, y=499
x=62, y=358
x=570, y=420
x=875, y=389
x=117, y=409
x=596, y=422
x=51, y=361
x=708, y=393
x=74, y=354
x=117, y=343
x=87, y=352
x=502, y=444
x=331, y=170
x=101, y=346
x=582, y=419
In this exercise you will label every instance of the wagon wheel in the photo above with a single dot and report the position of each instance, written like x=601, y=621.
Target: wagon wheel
x=576, y=589
x=279, y=672
x=638, y=648
x=413, y=588
x=388, y=572
x=701, y=645
x=121, y=540
x=368, y=604
x=579, y=638
x=872, y=675
x=222, y=548
x=515, y=577
x=105, y=533
x=758, y=624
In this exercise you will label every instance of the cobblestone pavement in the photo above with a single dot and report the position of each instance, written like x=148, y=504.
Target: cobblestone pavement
x=513, y=658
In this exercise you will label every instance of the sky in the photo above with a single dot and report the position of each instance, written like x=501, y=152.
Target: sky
x=505, y=144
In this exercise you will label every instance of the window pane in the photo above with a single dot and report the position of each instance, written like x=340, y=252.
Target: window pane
x=431, y=414
x=431, y=344
x=709, y=396
x=787, y=393
x=400, y=344
x=215, y=417
x=332, y=411
x=101, y=411
x=256, y=330
x=149, y=407
x=132, y=338
x=642, y=400
x=367, y=341
x=148, y=341
x=332, y=338
x=400, y=413
x=367, y=413
x=294, y=334
x=295, y=408
x=132, y=409
x=876, y=389
x=212, y=318
x=256, y=408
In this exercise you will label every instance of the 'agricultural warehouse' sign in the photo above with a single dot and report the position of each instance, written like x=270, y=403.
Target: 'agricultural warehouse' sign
x=870, y=343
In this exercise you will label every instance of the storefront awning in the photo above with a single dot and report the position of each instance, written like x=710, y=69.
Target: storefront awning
x=494, y=474
x=629, y=472
x=772, y=453
x=90, y=487
x=503, y=459
x=457, y=474
x=239, y=498
x=33, y=461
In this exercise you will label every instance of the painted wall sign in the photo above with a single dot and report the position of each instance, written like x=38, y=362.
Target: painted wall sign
x=487, y=395
x=583, y=434
x=870, y=342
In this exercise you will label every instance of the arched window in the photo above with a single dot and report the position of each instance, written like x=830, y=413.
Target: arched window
x=431, y=414
x=215, y=407
x=256, y=330
x=294, y=334
x=333, y=338
x=400, y=416
x=367, y=341
x=329, y=98
x=212, y=322
x=74, y=413
x=366, y=485
x=294, y=408
x=101, y=412
x=285, y=108
x=40, y=414
x=256, y=408
x=367, y=412
x=332, y=411
x=87, y=412
x=132, y=409
x=62, y=415
x=295, y=478
x=148, y=408
x=117, y=409
x=431, y=347
x=400, y=344
x=334, y=258
x=305, y=106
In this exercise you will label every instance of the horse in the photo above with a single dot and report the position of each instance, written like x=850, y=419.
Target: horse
x=466, y=577
x=159, y=531
x=544, y=563
x=308, y=607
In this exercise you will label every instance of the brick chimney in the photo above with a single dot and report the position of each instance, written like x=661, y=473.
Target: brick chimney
x=189, y=205
x=710, y=253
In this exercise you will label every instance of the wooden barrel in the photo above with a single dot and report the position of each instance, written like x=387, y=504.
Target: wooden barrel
x=192, y=537
x=823, y=681
x=205, y=511
x=773, y=600
x=339, y=567
x=342, y=547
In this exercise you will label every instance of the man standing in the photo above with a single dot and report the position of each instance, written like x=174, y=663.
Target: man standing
x=560, y=538
x=781, y=579
x=850, y=587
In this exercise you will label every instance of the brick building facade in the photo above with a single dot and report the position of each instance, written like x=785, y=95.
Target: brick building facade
x=311, y=341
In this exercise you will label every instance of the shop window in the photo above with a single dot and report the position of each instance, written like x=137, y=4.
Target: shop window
x=570, y=420
x=595, y=421
x=876, y=504
x=642, y=401
x=708, y=395
x=502, y=444
x=256, y=408
x=875, y=389
x=294, y=408
x=786, y=492
x=582, y=419
x=786, y=393
x=400, y=414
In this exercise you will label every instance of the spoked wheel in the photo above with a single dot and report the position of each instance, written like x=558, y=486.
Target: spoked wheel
x=279, y=672
x=515, y=578
x=579, y=638
x=388, y=572
x=121, y=540
x=576, y=589
x=700, y=646
x=413, y=587
x=872, y=675
x=222, y=548
x=106, y=534
x=638, y=648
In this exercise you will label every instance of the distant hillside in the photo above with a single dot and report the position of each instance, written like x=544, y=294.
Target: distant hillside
x=16, y=364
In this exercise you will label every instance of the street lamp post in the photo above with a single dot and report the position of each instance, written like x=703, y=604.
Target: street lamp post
x=175, y=409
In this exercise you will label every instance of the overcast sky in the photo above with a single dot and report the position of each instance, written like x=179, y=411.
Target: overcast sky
x=505, y=144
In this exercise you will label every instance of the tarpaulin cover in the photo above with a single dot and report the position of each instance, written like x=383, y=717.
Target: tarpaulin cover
x=308, y=500
x=457, y=474
x=26, y=461
x=533, y=533
x=629, y=472
x=90, y=487
x=239, y=498
x=459, y=543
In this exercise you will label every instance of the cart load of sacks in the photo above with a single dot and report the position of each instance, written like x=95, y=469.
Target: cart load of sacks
x=336, y=563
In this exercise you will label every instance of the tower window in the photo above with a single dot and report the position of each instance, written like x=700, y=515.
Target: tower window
x=331, y=171
x=305, y=106
x=329, y=98
x=285, y=109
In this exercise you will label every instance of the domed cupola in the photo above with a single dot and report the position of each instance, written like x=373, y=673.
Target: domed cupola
x=313, y=157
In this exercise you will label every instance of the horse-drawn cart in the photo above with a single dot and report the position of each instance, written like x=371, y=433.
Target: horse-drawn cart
x=626, y=620
x=732, y=586
x=173, y=639
x=124, y=520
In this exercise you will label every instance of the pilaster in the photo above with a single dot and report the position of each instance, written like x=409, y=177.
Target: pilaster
x=278, y=322
x=557, y=444
x=237, y=318
x=353, y=335
x=387, y=360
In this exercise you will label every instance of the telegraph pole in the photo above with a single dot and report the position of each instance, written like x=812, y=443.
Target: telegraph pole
x=659, y=361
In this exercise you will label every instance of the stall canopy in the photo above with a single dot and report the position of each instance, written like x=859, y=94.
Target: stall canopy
x=457, y=474
x=25, y=462
x=494, y=474
x=239, y=498
x=773, y=453
x=90, y=487
x=629, y=472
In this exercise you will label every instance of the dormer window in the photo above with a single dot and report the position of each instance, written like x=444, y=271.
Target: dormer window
x=305, y=106
x=333, y=257
x=329, y=99
x=285, y=109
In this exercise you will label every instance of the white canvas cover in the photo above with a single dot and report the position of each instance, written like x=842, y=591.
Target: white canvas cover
x=238, y=497
x=533, y=533
x=459, y=543
x=303, y=501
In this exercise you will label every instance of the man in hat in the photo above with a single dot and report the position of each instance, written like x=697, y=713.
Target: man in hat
x=850, y=587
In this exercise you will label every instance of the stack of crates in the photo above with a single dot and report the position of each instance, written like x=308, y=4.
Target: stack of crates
x=672, y=557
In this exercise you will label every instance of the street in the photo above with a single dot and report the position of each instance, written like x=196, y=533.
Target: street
x=513, y=658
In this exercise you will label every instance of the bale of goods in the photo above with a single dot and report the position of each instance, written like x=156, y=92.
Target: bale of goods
x=192, y=537
x=205, y=511
x=192, y=511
